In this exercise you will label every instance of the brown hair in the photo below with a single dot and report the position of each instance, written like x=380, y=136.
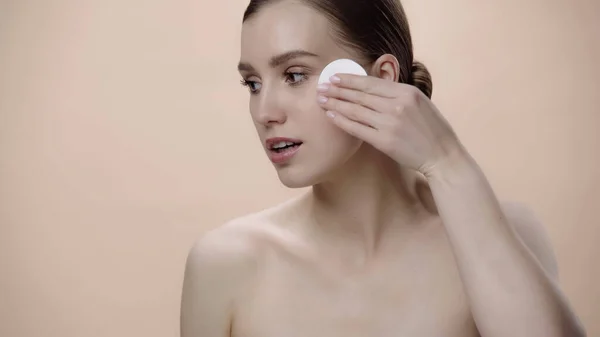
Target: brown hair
x=373, y=28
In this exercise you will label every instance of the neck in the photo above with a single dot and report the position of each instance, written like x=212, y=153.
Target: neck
x=366, y=198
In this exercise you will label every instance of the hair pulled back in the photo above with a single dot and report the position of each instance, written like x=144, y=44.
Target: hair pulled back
x=372, y=28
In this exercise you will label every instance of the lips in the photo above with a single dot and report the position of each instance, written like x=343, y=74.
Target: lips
x=281, y=149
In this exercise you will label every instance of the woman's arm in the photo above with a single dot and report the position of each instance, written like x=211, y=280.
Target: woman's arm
x=512, y=291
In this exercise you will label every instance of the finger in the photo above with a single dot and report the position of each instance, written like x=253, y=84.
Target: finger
x=353, y=128
x=370, y=101
x=368, y=84
x=353, y=111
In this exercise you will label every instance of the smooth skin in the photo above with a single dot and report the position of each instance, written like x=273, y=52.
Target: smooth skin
x=400, y=234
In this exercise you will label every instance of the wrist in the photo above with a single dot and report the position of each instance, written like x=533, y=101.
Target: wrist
x=456, y=160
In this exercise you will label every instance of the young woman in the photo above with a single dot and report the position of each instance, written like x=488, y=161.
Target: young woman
x=400, y=234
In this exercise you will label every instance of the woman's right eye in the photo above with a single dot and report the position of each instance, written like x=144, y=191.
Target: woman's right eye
x=252, y=86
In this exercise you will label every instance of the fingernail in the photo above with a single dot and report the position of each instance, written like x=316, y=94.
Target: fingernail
x=323, y=87
x=322, y=99
x=335, y=79
x=330, y=114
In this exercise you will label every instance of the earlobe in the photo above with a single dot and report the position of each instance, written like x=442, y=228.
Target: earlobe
x=386, y=67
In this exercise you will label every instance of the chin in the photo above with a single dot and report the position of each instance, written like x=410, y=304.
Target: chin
x=293, y=177
x=300, y=175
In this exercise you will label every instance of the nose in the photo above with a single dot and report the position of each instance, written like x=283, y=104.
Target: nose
x=270, y=109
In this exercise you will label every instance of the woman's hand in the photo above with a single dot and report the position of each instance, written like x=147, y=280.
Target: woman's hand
x=395, y=118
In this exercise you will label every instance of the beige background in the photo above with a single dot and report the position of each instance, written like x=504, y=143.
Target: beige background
x=124, y=135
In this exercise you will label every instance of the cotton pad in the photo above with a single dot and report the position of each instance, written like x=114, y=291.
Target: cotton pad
x=344, y=66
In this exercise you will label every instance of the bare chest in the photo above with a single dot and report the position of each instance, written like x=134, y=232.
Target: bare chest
x=412, y=298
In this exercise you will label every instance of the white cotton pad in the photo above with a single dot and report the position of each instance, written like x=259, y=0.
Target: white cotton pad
x=344, y=66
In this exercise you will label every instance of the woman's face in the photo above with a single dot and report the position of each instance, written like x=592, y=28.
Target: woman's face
x=284, y=48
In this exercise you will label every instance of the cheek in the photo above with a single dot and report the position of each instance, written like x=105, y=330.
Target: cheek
x=321, y=126
x=332, y=141
x=253, y=108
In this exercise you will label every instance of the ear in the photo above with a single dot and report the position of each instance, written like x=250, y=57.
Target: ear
x=386, y=67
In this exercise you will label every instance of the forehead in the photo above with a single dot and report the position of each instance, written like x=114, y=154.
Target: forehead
x=285, y=26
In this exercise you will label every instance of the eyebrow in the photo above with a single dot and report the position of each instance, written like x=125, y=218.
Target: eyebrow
x=280, y=59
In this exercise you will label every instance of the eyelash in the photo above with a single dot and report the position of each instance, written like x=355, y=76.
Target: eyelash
x=290, y=74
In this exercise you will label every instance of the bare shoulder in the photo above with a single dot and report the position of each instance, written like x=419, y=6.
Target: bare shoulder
x=533, y=234
x=221, y=267
x=229, y=248
x=238, y=245
x=225, y=265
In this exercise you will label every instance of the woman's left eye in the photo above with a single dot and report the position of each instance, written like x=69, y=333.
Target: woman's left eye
x=295, y=78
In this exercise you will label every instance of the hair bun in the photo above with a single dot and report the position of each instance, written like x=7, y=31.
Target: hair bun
x=421, y=78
